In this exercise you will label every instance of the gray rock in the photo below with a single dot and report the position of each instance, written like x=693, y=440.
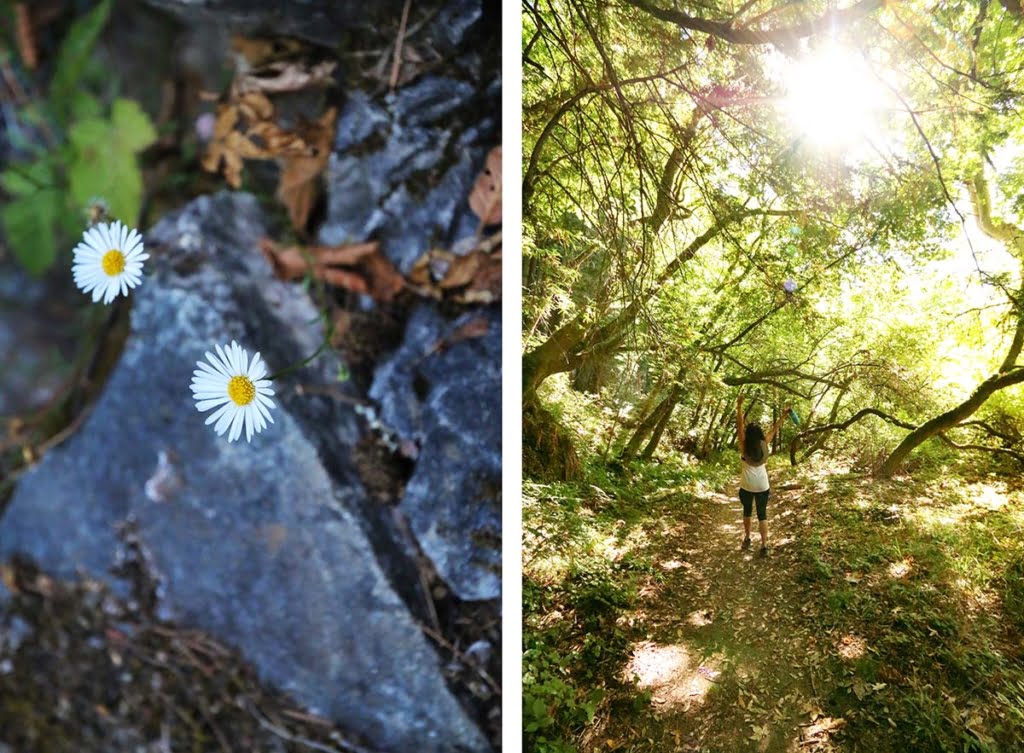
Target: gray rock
x=36, y=349
x=449, y=403
x=404, y=164
x=270, y=546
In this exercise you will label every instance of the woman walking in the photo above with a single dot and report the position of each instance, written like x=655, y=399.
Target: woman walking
x=754, y=485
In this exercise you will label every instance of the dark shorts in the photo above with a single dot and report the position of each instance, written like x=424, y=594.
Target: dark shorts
x=748, y=499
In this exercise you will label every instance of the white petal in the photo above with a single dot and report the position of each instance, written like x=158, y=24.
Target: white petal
x=217, y=414
x=232, y=350
x=94, y=240
x=105, y=244
x=204, y=405
x=230, y=410
x=263, y=411
x=257, y=369
x=243, y=361
x=220, y=362
x=236, y=425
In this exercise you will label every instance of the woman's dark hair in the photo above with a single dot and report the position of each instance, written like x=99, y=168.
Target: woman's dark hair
x=752, y=439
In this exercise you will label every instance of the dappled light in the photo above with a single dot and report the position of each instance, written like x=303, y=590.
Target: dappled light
x=675, y=678
x=851, y=647
x=700, y=618
x=900, y=569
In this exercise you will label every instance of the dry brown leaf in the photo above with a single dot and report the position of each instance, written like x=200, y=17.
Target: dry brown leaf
x=258, y=51
x=284, y=76
x=298, y=187
x=476, y=327
x=359, y=267
x=474, y=277
x=461, y=270
x=255, y=107
x=485, y=198
x=245, y=129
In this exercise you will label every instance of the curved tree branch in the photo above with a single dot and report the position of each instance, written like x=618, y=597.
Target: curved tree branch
x=729, y=31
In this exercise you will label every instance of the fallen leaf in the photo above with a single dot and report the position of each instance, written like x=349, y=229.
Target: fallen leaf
x=359, y=267
x=485, y=198
x=298, y=187
x=860, y=689
x=474, y=277
x=259, y=51
x=255, y=107
x=478, y=326
x=245, y=128
x=284, y=76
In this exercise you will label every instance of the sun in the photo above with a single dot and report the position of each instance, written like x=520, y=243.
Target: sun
x=832, y=97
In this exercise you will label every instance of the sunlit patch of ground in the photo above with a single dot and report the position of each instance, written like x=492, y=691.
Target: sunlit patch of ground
x=851, y=647
x=700, y=618
x=816, y=736
x=900, y=568
x=676, y=679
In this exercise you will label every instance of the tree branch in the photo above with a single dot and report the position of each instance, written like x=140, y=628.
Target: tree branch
x=863, y=413
x=727, y=31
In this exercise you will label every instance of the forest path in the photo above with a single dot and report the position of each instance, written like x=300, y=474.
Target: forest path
x=725, y=647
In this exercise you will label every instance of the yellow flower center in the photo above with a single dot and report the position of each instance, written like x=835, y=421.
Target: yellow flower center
x=113, y=262
x=241, y=390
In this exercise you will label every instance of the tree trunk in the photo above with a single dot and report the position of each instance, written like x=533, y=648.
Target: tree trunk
x=650, y=423
x=590, y=376
x=666, y=414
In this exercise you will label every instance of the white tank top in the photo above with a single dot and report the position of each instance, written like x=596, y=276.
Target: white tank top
x=754, y=478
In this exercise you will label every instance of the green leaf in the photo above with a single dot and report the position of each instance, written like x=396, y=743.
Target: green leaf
x=28, y=179
x=74, y=51
x=134, y=129
x=103, y=162
x=28, y=224
x=84, y=106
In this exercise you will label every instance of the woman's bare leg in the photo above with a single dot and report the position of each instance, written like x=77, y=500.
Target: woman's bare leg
x=763, y=527
x=746, y=527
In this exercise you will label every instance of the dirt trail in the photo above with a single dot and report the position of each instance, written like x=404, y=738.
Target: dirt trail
x=723, y=643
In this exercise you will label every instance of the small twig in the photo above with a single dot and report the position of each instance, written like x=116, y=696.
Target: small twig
x=298, y=740
x=460, y=657
x=308, y=718
x=396, y=65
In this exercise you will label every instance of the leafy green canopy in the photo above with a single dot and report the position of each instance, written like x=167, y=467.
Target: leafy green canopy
x=648, y=124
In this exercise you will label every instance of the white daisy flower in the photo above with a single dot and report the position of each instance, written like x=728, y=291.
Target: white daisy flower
x=237, y=387
x=108, y=261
